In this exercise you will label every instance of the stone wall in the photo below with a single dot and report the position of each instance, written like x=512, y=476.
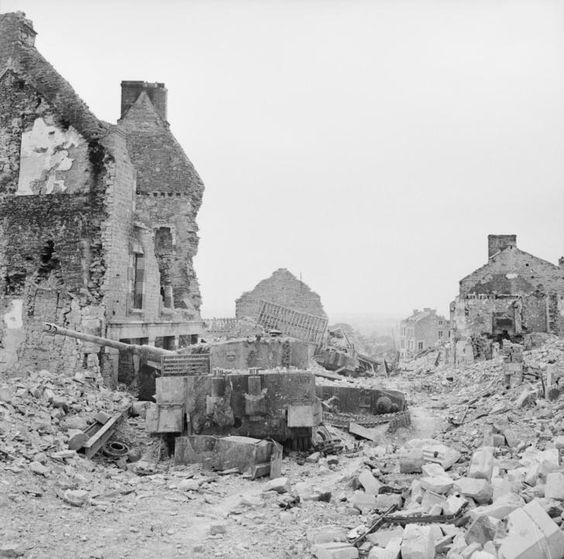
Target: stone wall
x=282, y=288
x=175, y=243
x=52, y=205
x=514, y=272
x=515, y=293
x=82, y=201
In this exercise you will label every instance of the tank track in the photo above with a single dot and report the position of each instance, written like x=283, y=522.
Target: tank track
x=343, y=419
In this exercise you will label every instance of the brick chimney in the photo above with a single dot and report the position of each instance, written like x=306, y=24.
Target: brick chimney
x=500, y=242
x=17, y=28
x=157, y=92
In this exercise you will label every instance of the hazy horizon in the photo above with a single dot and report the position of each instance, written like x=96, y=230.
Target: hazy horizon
x=369, y=146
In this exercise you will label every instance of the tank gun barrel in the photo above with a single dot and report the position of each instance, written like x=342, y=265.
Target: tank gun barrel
x=149, y=352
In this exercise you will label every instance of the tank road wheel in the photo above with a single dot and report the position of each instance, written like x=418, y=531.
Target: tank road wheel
x=383, y=405
x=300, y=439
x=115, y=449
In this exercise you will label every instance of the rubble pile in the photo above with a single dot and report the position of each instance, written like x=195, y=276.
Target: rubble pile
x=424, y=501
x=44, y=416
x=488, y=482
x=490, y=485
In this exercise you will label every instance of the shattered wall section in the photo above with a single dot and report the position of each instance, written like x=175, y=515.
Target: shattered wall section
x=117, y=230
x=52, y=159
x=175, y=243
x=169, y=195
x=39, y=152
x=514, y=272
x=51, y=208
x=282, y=288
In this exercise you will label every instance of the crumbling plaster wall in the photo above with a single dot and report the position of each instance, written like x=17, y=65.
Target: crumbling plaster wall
x=53, y=185
x=53, y=159
x=536, y=312
x=475, y=316
x=282, y=288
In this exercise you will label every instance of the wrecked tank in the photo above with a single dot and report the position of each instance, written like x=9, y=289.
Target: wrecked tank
x=191, y=399
x=261, y=404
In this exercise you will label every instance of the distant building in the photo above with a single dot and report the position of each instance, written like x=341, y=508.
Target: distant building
x=423, y=329
x=513, y=294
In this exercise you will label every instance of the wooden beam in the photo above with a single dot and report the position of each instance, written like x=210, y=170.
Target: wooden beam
x=101, y=437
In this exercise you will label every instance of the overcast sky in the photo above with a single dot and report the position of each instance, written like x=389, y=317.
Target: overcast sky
x=369, y=146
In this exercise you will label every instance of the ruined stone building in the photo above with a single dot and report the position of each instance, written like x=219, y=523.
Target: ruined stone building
x=98, y=226
x=281, y=288
x=513, y=294
x=422, y=330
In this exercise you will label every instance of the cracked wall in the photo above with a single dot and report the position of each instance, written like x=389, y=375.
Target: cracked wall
x=83, y=204
x=52, y=206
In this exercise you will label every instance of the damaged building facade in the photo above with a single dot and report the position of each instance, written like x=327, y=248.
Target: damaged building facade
x=98, y=228
x=281, y=288
x=513, y=294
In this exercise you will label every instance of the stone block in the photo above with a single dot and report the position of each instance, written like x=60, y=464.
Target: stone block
x=416, y=492
x=38, y=468
x=280, y=485
x=500, y=508
x=335, y=550
x=554, y=488
x=437, y=484
x=411, y=461
x=469, y=551
x=432, y=500
x=559, y=442
x=478, y=489
x=453, y=504
x=77, y=439
x=482, y=530
x=433, y=470
x=500, y=486
x=550, y=461
x=531, y=534
x=391, y=551
x=364, y=502
x=384, y=536
x=369, y=482
x=527, y=397
x=481, y=465
x=417, y=543
x=326, y=534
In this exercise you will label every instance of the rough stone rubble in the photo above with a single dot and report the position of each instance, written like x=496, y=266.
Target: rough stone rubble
x=481, y=466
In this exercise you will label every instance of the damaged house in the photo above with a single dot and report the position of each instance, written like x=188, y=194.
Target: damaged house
x=422, y=330
x=513, y=294
x=281, y=288
x=98, y=228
